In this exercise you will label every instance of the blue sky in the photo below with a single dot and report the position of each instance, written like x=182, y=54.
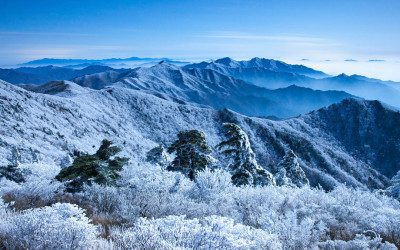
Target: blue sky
x=315, y=30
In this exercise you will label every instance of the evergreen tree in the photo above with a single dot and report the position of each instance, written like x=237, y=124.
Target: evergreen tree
x=243, y=164
x=192, y=153
x=289, y=172
x=101, y=168
x=158, y=156
x=12, y=173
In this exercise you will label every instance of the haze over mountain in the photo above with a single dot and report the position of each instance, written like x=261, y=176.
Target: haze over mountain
x=330, y=149
x=232, y=67
x=124, y=125
x=334, y=144
x=275, y=74
x=114, y=62
x=212, y=88
x=43, y=74
x=267, y=73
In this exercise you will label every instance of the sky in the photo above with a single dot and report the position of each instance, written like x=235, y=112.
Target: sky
x=352, y=36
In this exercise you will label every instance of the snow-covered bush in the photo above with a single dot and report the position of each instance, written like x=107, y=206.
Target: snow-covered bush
x=210, y=183
x=147, y=197
x=61, y=226
x=360, y=242
x=38, y=189
x=209, y=233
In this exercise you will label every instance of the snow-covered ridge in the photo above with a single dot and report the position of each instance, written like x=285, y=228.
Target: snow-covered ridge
x=48, y=127
x=60, y=88
x=215, y=89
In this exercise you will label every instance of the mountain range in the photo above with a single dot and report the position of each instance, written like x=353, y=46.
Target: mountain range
x=204, y=86
x=338, y=137
x=275, y=74
x=115, y=62
x=346, y=142
x=44, y=74
x=266, y=73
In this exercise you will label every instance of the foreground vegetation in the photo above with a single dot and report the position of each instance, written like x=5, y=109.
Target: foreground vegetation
x=150, y=207
x=190, y=202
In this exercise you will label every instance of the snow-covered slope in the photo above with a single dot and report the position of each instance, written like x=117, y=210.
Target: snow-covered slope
x=49, y=127
x=59, y=88
x=98, y=80
x=369, y=130
x=212, y=88
x=229, y=66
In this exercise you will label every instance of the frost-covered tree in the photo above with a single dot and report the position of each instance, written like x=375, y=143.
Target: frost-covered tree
x=101, y=168
x=192, y=153
x=289, y=172
x=16, y=157
x=394, y=189
x=34, y=186
x=243, y=164
x=159, y=156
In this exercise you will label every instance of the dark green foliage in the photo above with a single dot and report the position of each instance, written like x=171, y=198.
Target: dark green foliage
x=192, y=153
x=99, y=168
x=106, y=150
x=243, y=177
x=11, y=173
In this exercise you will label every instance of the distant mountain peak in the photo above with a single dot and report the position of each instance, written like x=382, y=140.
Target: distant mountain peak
x=343, y=75
x=259, y=59
x=166, y=64
x=227, y=61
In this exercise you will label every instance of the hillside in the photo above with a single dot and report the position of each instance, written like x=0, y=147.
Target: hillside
x=49, y=127
x=212, y=88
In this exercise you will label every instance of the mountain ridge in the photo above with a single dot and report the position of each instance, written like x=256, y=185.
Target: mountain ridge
x=213, y=88
x=56, y=125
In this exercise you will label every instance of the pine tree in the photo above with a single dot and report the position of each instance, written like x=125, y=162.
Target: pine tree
x=192, y=153
x=101, y=168
x=243, y=164
x=289, y=172
x=158, y=156
x=12, y=173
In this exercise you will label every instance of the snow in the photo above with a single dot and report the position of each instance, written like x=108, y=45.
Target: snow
x=53, y=126
x=150, y=207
